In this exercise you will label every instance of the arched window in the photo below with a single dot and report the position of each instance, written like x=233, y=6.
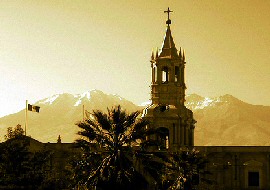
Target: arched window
x=163, y=137
x=176, y=74
x=165, y=75
x=155, y=73
x=182, y=75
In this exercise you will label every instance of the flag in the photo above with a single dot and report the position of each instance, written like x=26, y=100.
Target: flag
x=33, y=108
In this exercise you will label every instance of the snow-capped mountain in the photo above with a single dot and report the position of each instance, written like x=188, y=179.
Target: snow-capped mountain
x=59, y=113
x=196, y=102
x=223, y=120
x=226, y=120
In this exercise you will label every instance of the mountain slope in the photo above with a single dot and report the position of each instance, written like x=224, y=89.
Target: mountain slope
x=228, y=121
x=59, y=113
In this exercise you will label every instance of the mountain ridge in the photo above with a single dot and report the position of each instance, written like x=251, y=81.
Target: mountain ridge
x=60, y=112
x=223, y=120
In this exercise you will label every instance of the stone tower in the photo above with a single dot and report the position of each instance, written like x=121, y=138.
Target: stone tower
x=167, y=111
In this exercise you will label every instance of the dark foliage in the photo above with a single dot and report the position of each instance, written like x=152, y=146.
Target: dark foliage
x=187, y=169
x=18, y=166
x=111, y=145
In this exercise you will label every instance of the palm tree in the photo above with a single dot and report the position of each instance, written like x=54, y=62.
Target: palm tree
x=110, y=143
x=188, y=168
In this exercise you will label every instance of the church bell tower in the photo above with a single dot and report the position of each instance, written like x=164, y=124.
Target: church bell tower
x=167, y=112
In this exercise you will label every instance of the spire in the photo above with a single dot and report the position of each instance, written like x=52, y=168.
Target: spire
x=152, y=56
x=59, y=139
x=180, y=53
x=184, y=56
x=168, y=47
x=157, y=53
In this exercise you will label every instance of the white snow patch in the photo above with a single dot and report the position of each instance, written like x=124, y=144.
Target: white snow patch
x=78, y=102
x=50, y=100
x=206, y=102
x=117, y=96
x=86, y=94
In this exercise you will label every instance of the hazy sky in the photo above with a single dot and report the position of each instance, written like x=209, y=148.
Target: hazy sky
x=49, y=47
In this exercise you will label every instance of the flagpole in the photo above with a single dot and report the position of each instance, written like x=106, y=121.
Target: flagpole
x=26, y=117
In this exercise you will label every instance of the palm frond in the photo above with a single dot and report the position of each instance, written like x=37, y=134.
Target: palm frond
x=89, y=134
x=102, y=119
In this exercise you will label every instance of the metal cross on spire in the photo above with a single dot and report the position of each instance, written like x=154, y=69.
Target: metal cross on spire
x=168, y=22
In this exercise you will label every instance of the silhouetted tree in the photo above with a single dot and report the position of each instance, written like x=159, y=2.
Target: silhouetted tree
x=17, y=132
x=18, y=166
x=110, y=144
x=187, y=169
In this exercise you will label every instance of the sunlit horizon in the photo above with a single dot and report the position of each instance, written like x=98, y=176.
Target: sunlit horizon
x=53, y=47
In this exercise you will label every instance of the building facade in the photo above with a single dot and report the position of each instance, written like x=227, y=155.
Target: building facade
x=232, y=167
x=238, y=167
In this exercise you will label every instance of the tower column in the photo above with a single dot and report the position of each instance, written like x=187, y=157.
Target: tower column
x=187, y=134
x=182, y=134
x=192, y=135
x=159, y=75
x=153, y=74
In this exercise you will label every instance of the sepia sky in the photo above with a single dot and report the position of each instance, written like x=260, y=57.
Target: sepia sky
x=49, y=47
